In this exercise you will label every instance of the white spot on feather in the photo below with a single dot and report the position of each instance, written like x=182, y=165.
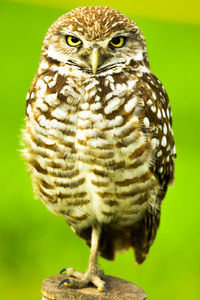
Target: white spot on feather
x=174, y=150
x=130, y=104
x=85, y=114
x=138, y=56
x=43, y=121
x=52, y=99
x=85, y=105
x=159, y=114
x=149, y=102
x=164, y=141
x=131, y=83
x=163, y=113
x=121, y=87
x=168, y=116
x=154, y=95
x=96, y=106
x=146, y=122
x=155, y=143
x=59, y=114
x=97, y=98
x=159, y=153
x=112, y=105
x=165, y=129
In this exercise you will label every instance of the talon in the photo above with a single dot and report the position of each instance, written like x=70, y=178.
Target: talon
x=63, y=270
x=105, y=289
x=64, y=281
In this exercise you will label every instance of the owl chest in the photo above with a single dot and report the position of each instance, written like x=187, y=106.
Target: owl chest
x=97, y=157
x=91, y=128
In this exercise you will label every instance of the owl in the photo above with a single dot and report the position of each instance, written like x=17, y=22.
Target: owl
x=99, y=141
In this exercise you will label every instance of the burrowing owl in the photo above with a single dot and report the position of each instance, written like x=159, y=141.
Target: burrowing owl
x=99, y=141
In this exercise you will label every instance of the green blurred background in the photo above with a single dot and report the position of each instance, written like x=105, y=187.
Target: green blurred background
x=35, y=244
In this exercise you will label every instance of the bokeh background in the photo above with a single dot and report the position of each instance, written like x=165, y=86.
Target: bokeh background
x=34, y=244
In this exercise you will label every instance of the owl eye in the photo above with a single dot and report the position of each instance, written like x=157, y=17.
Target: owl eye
x=72, y=41
x=117, y=42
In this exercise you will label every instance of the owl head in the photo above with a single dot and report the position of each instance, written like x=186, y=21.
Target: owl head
x=94, y=40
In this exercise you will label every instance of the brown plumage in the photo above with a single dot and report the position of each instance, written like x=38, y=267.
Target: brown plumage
x=99, y=141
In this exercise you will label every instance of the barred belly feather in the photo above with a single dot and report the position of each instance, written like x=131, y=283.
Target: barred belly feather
x=88, y=156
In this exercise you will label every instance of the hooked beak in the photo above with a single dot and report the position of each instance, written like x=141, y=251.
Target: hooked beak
x=94, y=59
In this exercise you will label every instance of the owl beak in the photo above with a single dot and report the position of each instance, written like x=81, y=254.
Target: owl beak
x=94, y=59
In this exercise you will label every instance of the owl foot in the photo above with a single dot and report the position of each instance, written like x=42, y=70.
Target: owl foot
x=80, y=280
x=73, y=273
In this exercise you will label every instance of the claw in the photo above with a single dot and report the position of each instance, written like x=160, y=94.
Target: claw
x=63, y=270
x=105, y=289
x=63, y=281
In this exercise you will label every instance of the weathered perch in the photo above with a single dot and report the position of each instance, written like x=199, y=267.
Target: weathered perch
x=117, y=289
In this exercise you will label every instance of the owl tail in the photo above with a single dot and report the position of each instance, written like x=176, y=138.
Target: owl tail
x=140, y=256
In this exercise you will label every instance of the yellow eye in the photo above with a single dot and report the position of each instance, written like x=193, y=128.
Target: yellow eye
x=73, y=41
x=117, y=42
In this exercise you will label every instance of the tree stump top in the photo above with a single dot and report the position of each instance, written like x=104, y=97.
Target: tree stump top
x=117, y=289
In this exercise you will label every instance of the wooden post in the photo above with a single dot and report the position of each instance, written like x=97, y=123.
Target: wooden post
x=117, y=289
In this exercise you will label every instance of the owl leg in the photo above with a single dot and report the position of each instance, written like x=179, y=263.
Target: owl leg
x=93, y=274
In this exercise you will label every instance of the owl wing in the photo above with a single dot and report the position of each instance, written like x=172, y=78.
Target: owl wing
x=156, y=122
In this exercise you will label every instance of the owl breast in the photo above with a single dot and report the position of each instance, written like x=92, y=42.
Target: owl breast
x=88, y=153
